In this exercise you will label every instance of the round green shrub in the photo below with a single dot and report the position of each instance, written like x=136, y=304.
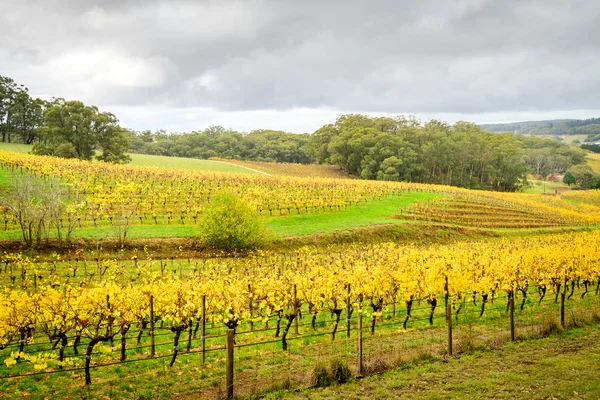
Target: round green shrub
x=231, y=224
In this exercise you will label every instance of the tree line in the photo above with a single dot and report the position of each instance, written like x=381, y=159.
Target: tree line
x=594, y=148
x=383, y=148
x=436, y=152
x=216, y=141
x=58, y=127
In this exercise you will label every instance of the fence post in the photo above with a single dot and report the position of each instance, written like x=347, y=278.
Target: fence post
x=109, y=328
x=250, y=308
x=348, y=311
x=229, y=364
x=294, y=294
x=203, y=334
x=512, y=314
x=360, y=343
x=152, y=347
x=448, y=317
x=562, y=302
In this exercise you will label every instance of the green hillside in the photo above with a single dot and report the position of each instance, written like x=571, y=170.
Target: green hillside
x=549, y=127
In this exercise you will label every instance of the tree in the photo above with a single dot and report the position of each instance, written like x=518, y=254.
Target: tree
x=390, y=168
x=84, y=129
x=71, y=122
x=28, y=116
x=21, y=116
x=112, y=140
x=8, y=94
x=231, y=224
x=569, y=178
x=581, y=173
x=588, y=181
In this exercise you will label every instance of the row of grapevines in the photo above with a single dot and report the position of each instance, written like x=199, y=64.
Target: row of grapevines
x=103, y=192
x=367, y=278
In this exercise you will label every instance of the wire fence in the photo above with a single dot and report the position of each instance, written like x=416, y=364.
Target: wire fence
x=259, y=364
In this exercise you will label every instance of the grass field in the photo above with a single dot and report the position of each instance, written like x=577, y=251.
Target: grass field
x=593, y=160
x=15, y=147
x=563, y=366
x=379, y=212
x=540, y=187
x=145, y=160
x=299, y=170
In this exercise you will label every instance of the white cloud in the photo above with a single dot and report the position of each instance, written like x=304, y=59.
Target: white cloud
x=86, y=72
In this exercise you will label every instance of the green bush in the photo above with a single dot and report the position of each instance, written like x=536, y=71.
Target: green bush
x=65, y=150
x=229, y=223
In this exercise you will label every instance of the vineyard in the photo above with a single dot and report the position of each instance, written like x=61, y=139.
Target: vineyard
x=74, y=315
x=128, y=324
x=492, y=210
x=104, y=195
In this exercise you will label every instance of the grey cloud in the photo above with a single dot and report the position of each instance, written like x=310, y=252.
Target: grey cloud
x=433, y=56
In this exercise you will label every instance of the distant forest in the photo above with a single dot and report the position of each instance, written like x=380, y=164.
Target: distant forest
x=382, y=148
x=553, y=127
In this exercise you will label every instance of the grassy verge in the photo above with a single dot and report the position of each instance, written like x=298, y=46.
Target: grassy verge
x=563, y=366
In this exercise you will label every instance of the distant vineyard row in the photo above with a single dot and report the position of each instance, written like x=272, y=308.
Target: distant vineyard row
x=102, y=193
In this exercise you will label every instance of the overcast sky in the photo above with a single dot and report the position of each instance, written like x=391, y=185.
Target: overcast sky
x=296, y=65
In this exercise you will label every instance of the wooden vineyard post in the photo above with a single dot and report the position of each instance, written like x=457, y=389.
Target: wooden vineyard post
x=348, y=313
x=109, y=328
x=360, y=343
x=512, y=314
x=229, y=363
x=448, y=317
x=250, y=308
x=152, y=348
x=203, y=337
x=562, y=302
x=294, y=297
